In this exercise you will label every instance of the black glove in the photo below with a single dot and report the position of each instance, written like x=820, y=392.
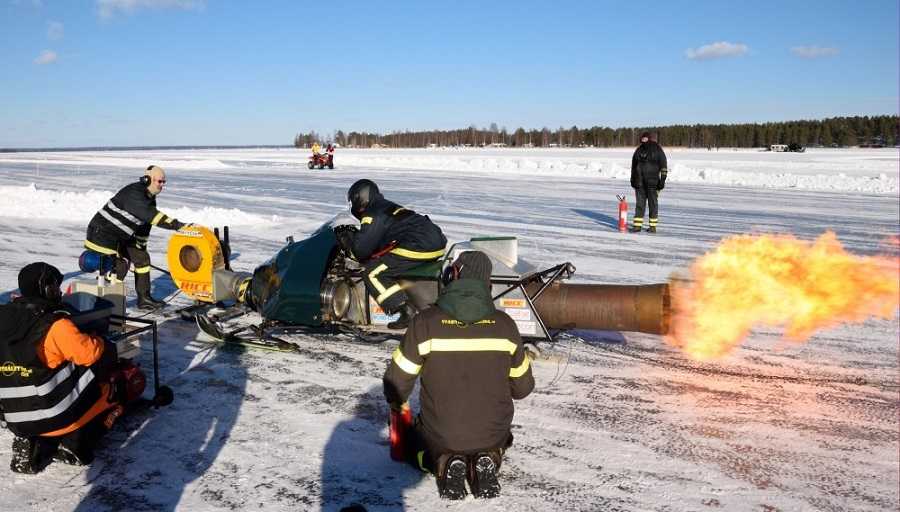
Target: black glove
x=635, y=185
x=344, y=235
x=661, y=185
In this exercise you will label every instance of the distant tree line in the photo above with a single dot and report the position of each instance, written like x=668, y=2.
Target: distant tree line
x=836, y=131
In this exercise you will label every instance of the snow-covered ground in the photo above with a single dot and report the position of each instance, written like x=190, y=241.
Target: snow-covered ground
x=618, y=421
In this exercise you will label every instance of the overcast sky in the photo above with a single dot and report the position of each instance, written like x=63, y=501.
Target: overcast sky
x=181, y=72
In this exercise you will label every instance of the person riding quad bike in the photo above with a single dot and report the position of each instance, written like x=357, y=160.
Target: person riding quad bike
x=321, y=160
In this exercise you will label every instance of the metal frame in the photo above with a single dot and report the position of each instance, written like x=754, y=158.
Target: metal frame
x=149, y=325
x=561, y=271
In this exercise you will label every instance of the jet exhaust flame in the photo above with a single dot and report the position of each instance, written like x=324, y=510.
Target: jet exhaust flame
x=777, y=280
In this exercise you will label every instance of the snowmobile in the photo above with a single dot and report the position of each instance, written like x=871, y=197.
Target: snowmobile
x=312, y=285
x=321, y=160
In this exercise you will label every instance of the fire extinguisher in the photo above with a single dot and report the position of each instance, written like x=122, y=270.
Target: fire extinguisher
x=623, y=213
x=401, y=422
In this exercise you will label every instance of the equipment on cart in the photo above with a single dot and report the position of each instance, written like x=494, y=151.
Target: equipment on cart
x=99, y=308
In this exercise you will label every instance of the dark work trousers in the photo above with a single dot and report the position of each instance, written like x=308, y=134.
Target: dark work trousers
x=644, y=194
x=381, y=280
x=139, y=257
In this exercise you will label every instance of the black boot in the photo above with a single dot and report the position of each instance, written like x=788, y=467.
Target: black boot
x=145, y=301
x=23, y=452
x=407, y=311
x=483, y=476
x=452, y=483
x=30, y=455
x=634, y=229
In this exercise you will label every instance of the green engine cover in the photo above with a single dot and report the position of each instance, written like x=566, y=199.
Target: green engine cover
x=287, y=287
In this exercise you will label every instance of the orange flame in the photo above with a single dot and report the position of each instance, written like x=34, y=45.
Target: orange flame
x=777, y=280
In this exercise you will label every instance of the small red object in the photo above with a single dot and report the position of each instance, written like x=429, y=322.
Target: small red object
x=623, y=214
x=401, y=421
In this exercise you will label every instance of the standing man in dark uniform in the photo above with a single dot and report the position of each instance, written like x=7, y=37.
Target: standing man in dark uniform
x=472, y=366
x=648, y=177
x=121, y=228
x=391, y=240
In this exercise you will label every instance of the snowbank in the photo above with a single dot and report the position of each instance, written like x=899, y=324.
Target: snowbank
x=100, y=159
x=745, y=168
x=33, y=203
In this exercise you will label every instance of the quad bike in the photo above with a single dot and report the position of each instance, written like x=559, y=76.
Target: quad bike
x=321, y=160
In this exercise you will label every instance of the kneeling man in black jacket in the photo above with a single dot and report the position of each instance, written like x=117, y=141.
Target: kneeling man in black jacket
x=472, y=365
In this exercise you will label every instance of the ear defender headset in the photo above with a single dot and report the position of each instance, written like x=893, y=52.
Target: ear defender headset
x=145, y=179
x=48, y=287
x=450, y=273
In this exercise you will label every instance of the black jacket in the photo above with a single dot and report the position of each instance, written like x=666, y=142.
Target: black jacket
x=648, y=165
x=385, y=223
x=37, y=399
x=130, y=213
x=472, y=365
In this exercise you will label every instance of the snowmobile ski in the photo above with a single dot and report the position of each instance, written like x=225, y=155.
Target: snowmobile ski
x=237, y=338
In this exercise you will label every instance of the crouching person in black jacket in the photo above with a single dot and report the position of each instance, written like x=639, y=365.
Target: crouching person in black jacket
x=472, y=365
x=390, y=241
x=58, y=385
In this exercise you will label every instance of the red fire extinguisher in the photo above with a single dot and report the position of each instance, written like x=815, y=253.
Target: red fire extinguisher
x=623, y=213
x=401, y=422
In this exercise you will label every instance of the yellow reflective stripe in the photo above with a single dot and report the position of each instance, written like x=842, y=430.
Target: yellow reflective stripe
x=398, y=210
x=387, y=293
x=405, y=364
x=142, y=270
x=467, y=345
x=415, y=255
x=159, y=216
x=375, y=282
x=366, y=220
x=520, y=370
x=421, y=458
x=99, y=248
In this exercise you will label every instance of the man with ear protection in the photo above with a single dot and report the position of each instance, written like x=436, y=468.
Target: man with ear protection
x=121, y=228
x=471, y=365
x=55, y=388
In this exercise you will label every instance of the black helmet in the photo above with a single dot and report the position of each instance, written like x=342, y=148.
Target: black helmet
x=40, y=280
x=360, y=195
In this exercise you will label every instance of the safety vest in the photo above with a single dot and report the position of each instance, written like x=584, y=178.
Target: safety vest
x=36, y=399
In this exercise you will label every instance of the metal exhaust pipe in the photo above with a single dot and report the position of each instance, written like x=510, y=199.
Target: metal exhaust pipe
x=639, y=308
